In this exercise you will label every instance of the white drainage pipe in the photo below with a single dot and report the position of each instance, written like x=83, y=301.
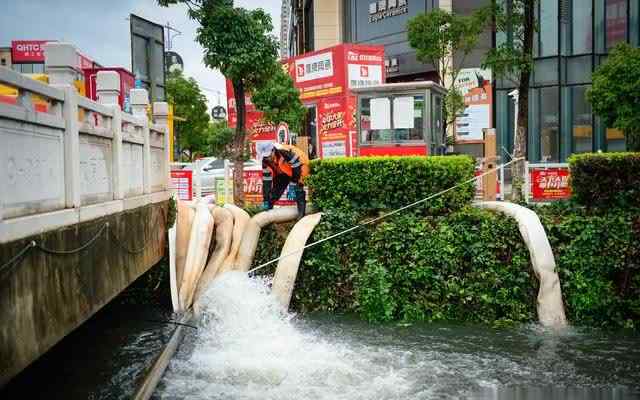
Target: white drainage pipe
x=550, y=306
x=223, y=233
x=197, y=253
x=287, y=270
x=247, y=248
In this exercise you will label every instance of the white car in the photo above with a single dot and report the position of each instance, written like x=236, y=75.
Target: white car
x=210, y=168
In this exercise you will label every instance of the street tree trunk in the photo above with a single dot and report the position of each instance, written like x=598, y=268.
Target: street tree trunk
x=520, y=141
x=239, y=145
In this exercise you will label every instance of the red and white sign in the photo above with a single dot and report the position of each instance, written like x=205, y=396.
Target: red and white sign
x=27, y=51
x=364, y=75
x=182, y=184
x=314, y=67
x=323, y=79
x=549, y=183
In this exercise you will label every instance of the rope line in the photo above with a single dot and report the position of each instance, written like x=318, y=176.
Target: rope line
x=76, y=250
x=15, y=260
x=353, y=228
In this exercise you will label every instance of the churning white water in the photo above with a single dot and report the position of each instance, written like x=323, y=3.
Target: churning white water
x=246, y=347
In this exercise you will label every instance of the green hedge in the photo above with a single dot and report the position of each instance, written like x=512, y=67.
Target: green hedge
x=598, y=260
x=606, y=179
x=367, y=184
x=470, y=265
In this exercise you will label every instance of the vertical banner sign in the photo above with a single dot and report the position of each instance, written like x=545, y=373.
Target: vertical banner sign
x=475, y=85
x=182, y=184
x=332, y=124
x=548, y=184
x=147, y=55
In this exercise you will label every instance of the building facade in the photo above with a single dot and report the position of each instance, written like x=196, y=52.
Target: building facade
x=573, y=39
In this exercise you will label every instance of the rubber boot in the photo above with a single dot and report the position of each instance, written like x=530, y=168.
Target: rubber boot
x=301, y=201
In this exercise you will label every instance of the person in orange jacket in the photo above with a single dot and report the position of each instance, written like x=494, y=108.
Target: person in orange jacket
x=284, y=164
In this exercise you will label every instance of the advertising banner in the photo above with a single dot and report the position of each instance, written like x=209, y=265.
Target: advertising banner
x=182, y=184
x=323, y=79
x=550, y=183
x=333, y=129
x=475, y=85
x=27, y=51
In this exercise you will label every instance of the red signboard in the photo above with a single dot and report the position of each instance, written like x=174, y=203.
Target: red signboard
x=549, y=184
x=27, y=51
x=182, y=184
x=324, y=79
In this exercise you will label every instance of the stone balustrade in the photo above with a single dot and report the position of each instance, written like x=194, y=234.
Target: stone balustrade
x=80, y=159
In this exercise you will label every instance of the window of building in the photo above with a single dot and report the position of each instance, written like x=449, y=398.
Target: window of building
x=549, y=118
x=615, y=140
x=395, y=127
x=548, y=33
x=616, y=22
x=581, y=120
x=581, y=26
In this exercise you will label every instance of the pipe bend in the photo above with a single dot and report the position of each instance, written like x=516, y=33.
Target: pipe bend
x=549, y=305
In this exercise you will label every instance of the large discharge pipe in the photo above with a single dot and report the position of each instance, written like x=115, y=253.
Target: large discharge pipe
x=287, y=270
x=550, y=306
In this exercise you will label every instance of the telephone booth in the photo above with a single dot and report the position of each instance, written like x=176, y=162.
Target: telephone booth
x=400, y=119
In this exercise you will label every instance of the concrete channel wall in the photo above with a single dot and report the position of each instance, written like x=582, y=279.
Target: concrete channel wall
x=81, y=173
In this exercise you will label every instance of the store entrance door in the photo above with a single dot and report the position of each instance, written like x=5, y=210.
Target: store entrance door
x=310, y=129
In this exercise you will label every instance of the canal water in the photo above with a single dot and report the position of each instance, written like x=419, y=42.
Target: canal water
x=245, y=347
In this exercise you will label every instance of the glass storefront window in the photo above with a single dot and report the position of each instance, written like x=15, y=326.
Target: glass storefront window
x=548, y=34
x=616, y=22
x=549, y=118
x=581, y=26
x=615, y=140
x=581, y=120
x=394, y=134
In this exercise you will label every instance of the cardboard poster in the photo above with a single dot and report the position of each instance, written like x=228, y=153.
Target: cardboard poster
x=549, y=184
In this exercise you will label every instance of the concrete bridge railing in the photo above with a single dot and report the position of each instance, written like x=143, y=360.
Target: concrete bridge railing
x=81, y=159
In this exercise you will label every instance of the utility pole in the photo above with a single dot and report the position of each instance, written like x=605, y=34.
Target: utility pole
x=170, y=37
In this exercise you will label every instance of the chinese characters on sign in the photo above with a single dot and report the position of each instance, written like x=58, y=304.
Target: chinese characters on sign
x=182, y=184
x=381, y=9
x=549, y=183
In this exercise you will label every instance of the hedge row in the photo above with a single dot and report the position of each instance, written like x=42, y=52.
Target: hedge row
x=468, y=266
x=598, y=260
x=606, y=179
x=368, y=184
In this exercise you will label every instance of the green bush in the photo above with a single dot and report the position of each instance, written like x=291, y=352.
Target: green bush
x=470, y=265
x=367, y=184
x=606, y=179
x=598, y=260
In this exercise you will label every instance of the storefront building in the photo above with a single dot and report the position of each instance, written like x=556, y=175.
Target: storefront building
x=573, y=39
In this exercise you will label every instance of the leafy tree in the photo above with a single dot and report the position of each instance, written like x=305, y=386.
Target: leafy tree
x=190, y=104
x=615, y=93
x=221, y=139
x=237, y=42
x=513, y=60
x=439, y=35
x=279, y=100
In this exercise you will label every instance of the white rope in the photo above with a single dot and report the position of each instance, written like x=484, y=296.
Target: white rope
x=353, y=228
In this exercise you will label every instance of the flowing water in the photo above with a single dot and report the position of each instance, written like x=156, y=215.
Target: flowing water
x=247, y=348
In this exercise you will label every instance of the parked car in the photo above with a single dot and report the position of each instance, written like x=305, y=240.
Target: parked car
x=210, y=168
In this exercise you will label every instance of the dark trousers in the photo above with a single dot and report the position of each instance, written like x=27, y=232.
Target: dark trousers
x=272, y=192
